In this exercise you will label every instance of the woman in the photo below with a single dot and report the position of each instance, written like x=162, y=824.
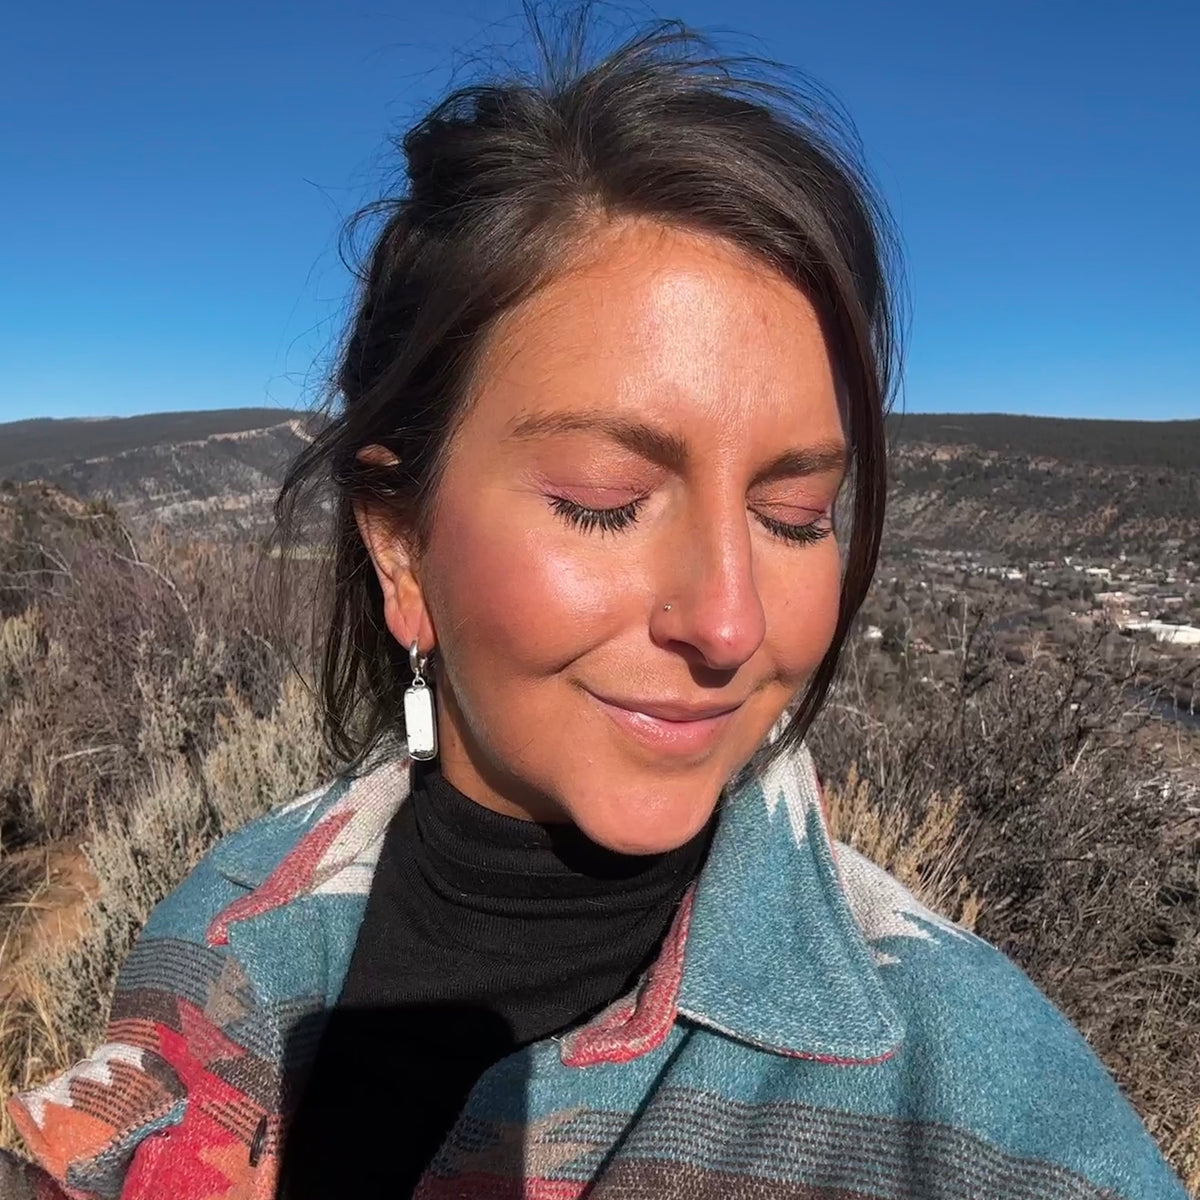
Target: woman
x=622, y=350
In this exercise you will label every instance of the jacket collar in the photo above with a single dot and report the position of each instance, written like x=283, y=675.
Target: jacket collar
x=765, y=949
x=774, y=956
x=326, y=843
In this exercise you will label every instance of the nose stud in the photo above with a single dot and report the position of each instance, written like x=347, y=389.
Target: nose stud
x=666, y=608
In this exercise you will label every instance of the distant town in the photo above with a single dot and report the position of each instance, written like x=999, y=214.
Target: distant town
x=1141, y=609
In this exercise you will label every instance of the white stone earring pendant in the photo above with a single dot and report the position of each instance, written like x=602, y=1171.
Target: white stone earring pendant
x=420, y=722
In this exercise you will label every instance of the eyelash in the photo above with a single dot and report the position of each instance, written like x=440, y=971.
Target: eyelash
x=612, y=520
x=607, y=520
x=803, y=535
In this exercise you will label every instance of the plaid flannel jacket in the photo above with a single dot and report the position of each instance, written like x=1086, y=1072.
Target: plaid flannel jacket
x=808, y=1032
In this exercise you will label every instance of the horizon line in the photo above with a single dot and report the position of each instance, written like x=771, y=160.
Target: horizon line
x=893, y=414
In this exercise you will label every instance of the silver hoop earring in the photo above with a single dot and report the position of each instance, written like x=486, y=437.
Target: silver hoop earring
x=420, y=720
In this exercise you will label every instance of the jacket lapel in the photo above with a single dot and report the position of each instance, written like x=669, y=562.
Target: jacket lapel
x=774, y=955
x=765, y=948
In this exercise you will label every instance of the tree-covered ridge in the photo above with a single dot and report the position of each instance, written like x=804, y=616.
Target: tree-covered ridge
x=1070, y=439
x=50, y=441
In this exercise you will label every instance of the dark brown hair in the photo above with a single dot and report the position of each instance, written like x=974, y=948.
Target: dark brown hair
x=502, y=179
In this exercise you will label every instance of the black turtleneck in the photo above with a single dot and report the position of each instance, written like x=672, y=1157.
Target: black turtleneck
x=482, y=933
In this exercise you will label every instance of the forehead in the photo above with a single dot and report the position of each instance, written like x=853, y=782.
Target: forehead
x=663, y=324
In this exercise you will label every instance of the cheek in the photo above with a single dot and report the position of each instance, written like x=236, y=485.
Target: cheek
x=510, y=589
x=802, y=610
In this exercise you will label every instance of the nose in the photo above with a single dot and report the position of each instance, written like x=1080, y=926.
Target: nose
x=715, y=609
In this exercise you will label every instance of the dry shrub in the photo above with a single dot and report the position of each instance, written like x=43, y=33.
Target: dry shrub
x=1185, y=1153
x=921, y=849
x=1078, y=844
x=59, y=1005
x=116, y=656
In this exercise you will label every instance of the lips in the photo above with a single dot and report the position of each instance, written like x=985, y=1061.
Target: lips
x=665, y=710
x=670, y=726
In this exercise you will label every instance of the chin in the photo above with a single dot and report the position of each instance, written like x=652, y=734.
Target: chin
x=646, y=820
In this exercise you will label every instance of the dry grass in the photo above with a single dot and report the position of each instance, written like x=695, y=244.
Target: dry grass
x=921, y=849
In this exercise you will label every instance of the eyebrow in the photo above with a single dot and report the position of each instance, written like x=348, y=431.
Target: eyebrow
x=821, y=459
x=668, y=449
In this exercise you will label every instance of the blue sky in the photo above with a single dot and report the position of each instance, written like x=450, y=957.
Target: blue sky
x=174, y=175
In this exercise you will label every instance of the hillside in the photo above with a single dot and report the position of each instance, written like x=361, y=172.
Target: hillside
x=26, y=446
x=218, y=470
x=997, y=739
x=1169, y=444
x=1044, y=487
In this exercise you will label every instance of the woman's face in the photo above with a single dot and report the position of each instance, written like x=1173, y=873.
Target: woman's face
x=631, y=568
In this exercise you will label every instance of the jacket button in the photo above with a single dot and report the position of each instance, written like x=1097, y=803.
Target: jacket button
x=257, y=1142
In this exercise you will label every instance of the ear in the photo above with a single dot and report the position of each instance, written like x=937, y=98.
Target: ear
x=404, y=609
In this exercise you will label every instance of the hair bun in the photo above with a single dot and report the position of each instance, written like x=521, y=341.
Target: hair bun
x=468, y=146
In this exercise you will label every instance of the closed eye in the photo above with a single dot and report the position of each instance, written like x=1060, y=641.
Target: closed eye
x=621, y=516
x=805, y=533
x=606, y=520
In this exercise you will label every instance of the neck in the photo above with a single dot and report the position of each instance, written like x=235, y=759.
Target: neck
x=479, y=852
